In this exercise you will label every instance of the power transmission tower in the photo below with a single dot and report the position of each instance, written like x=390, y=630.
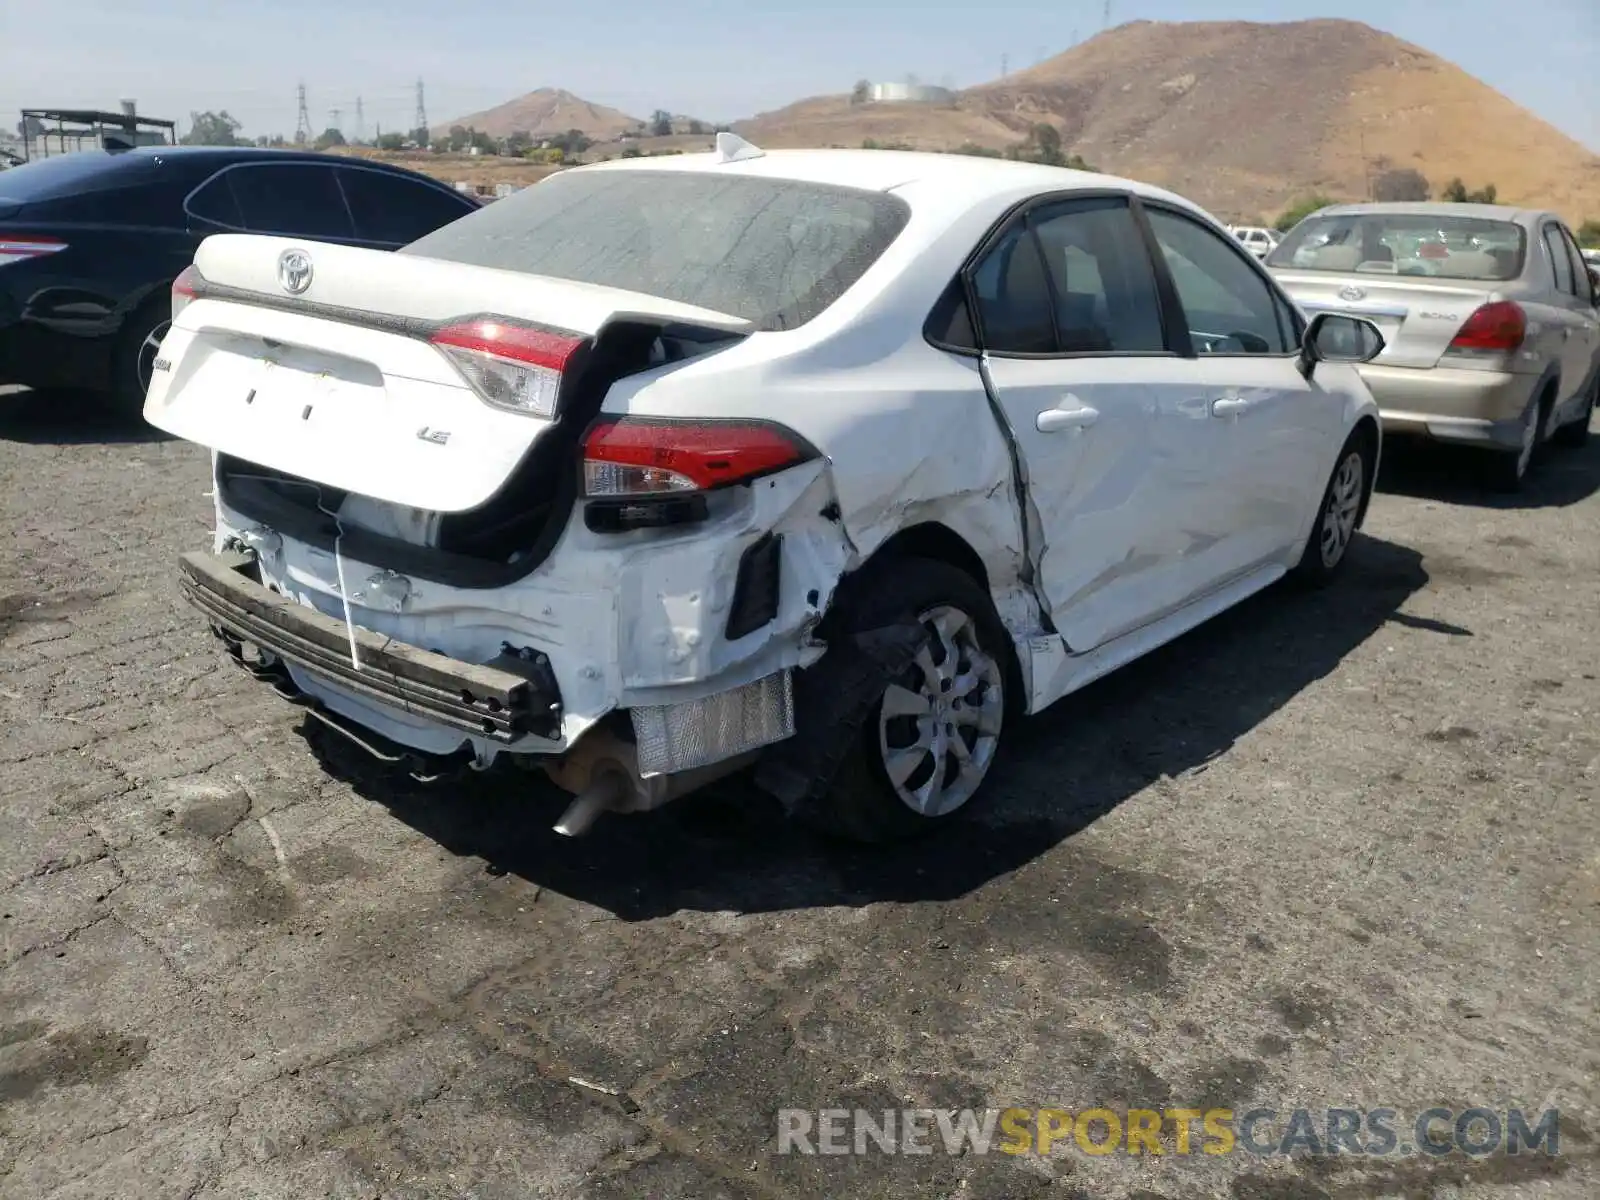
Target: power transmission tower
x=333, y=119
x=361, y=121
x=302, y=124
x=1005, y=65
x=1107, y=24
x=420, y=121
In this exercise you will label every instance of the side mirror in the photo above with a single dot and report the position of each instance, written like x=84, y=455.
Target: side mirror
x=1333, y=337
x=1594, y=285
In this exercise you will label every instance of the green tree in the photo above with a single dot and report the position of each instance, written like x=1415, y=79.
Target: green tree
x=1487, y=194
x=211, y=129
x=661, y=123
x=1455, y=191
x=421, y=137
x=861, y=93
x=482, y=142
x=329, y=137
x=1589, y=235
x=518, y=143
x=459, y=138
x=1404, y=183
x=1300, y=210
x=1046, y=140
x=573, y=142
x=631, y=152
x=391, y=141
x=696, y=128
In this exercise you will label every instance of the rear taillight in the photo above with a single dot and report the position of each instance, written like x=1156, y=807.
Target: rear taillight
x=640, y=456
x=1495, y=328
x=510, y=365
x=184, y=288
x=24, y=247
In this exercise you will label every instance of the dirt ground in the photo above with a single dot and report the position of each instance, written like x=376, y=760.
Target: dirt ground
x=1330, y=850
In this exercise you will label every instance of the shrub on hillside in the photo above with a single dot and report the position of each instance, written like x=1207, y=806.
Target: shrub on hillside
x=1300, y=210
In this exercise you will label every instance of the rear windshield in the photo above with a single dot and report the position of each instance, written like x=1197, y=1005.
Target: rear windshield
x=1390, y=243
x=773, y=252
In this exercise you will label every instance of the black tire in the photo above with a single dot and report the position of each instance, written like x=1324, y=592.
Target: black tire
x=1574, y=435
x=1505, y=471
x=130, y=364
x=864, y=804
x=1343, y=501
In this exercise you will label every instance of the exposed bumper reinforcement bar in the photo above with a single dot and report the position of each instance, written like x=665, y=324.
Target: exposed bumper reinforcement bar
x=501, y=701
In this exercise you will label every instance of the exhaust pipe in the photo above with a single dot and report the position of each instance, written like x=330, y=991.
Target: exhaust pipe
x=602, y=773
x=604, y=794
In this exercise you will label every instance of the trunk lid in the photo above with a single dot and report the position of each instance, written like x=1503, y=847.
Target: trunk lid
x=338, y=383
x=1417, y=315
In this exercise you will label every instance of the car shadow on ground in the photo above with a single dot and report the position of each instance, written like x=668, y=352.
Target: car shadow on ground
x=69, y=419
x=1558, y=478
x=729, y=848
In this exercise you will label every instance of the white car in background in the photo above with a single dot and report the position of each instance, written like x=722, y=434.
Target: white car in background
x=1257, y=239
x=837, y=462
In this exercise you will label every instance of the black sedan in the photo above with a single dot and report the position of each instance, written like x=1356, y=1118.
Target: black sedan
x=90, y=244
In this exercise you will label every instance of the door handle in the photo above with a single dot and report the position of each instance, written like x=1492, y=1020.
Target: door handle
x=1230, y=407
x=1053, y=419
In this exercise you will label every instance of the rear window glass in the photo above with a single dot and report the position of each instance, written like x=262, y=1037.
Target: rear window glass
x=774, y=252
x=1405, y=243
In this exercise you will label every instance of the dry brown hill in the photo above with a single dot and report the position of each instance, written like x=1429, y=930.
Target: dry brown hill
x=544, y=113
x=1242, y=117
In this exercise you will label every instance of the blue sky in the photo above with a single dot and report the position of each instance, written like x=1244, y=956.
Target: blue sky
x=715, y=60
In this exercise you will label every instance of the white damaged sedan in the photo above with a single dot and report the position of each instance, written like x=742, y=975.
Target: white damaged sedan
x=831, y=462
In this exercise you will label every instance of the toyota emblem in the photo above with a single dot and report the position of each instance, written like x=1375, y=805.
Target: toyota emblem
x=1350, y=292
x=294, y=271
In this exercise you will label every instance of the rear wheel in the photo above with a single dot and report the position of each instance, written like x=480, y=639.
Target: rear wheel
x=929, y=744
x=1575, y=433
x=133, y=365
x=1507, y=470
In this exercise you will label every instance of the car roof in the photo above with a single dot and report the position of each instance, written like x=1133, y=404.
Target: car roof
x=966, y=175
x=1439, y=208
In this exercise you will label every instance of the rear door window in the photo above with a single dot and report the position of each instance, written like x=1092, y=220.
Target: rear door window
x=212, y=203
x=1556, y=248
x=1580, y=269
x=1101, y=281
x=290, y=199
x=1013, y=294
x=1071, y=278
x=395, y=210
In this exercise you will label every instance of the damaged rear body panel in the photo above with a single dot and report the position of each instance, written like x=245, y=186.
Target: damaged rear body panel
x=660, y=470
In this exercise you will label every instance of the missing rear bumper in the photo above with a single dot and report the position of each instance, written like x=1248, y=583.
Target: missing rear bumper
x=501, y=701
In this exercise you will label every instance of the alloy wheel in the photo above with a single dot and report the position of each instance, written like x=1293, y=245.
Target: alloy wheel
x=1344, y=505
x=149, y=349
x=1530, y=439
x=939, y=725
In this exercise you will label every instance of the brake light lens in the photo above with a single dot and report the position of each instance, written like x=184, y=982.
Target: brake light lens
x=510, y=365
x=1495, y=328
x=635, y=456
x=184, y=288
x=25, y=247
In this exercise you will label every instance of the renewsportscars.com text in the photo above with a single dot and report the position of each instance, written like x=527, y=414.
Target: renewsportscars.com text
x=1263, y=1132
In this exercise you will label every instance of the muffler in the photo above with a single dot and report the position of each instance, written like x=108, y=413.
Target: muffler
x=602, y=773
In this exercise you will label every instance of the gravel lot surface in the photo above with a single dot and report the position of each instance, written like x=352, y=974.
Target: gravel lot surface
x=1337, y=849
